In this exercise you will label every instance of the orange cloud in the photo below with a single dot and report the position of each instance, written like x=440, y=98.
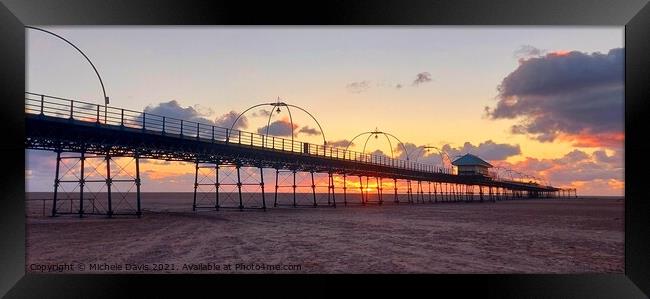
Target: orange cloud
x=560, y=53
x=613, y=139
x=616, y=184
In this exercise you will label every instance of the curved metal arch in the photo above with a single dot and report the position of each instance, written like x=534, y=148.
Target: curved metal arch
x=240, y=115
x=391, y=147
x=350, y=143
x=440, y=152
x=279, y=104
x=377, y=133
x=101, y=82
x=268, y=123
x=365, y=143
x=401, y=143
x=312, y=117
x=392, y=155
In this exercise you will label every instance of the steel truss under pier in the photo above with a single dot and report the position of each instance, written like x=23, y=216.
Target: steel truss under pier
x=229, y=179
x=294, y=180
x=230, y=165
x=112, y=191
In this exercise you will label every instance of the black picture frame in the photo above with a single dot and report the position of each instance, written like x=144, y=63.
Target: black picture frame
x=634, y=15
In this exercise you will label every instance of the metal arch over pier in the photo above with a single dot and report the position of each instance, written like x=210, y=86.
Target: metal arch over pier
x=276, y=107
x=69, y=126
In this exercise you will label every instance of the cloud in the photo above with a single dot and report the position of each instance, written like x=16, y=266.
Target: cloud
x=39, y=170
x=488, y=150
x=597, y=173
x=573, y=157
x=309, y=131
x=261, y=113
x=420, y=78
x=398, y=86
x=340, y=143
x=379, y=153
x=527, y=51
x=278, y=128
x=173, y=109
x=358, y=87
x=227, y=120
x=602, y=157
x=571, y=96
x=419, y=154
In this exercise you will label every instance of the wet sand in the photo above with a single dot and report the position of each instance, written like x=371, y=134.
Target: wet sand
x=523, y=236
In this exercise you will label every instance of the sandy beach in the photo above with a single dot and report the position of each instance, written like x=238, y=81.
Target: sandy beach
x=582, y=235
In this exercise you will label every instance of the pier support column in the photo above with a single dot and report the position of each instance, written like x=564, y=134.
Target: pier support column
x=199, y=177
x=216, y=187
x=275, y=199
x=363, y=200
x=313, y=188
x=109, y=182
x=330, y=188
x=262, y=187
x=294, y=189
x=56, y=182
x=395, y=186
x=82, y=182
x=379, y=191
x=239, y=184
x=409, y=191
x=138, y=182
x=345, y=192
x=196, y=183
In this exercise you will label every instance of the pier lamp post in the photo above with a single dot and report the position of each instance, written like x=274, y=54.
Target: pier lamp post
x=87, y=59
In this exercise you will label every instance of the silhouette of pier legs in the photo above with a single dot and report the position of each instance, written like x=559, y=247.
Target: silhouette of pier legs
x=83, y=171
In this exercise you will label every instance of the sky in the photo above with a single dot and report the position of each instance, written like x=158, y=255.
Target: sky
x=546, y=101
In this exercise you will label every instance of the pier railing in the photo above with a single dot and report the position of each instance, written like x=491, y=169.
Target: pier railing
x=51, y=106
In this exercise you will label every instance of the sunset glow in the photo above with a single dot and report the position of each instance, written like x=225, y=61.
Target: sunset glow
x=463, y=90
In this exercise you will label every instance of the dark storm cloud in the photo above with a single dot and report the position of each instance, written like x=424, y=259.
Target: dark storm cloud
x=309, y=131
x=358, y=87
x=573, y=94
x=420, y=78
x=488, y=150
x=278, y=128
